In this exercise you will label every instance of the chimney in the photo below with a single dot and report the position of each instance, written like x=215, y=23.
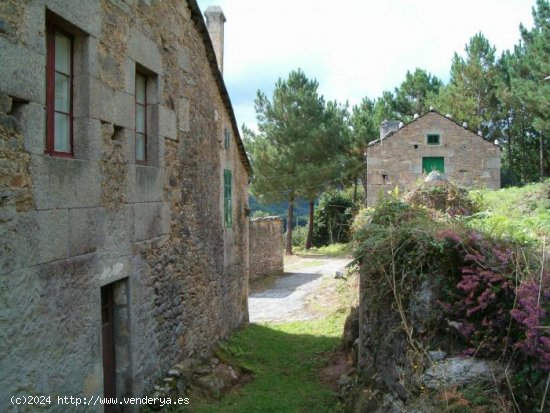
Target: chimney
x=388, y=126
x=214, y=21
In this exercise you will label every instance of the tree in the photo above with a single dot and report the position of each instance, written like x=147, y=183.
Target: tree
x=296, y=139
x=471, y=93
x=326, y=162
x=362, y=130
x=334, y=218
x=531, y=87
x=412, y=95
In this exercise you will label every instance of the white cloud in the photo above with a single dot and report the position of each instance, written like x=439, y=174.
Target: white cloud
x=354, y=48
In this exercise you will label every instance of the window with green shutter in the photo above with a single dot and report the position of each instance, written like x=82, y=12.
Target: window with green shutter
x=433, y=163
x=227, y=212
x=433, y=139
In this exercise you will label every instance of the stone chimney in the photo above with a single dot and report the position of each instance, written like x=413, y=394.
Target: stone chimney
x=388, y=126
x=214, y=21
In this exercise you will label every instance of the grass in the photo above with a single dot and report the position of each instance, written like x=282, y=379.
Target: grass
x=332, y=250
x=285, y=360
x=522, y=214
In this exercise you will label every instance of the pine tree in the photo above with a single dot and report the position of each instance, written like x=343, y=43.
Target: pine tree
x=297, y=146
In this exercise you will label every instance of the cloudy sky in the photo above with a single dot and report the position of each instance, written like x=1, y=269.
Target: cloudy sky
x=354, y=48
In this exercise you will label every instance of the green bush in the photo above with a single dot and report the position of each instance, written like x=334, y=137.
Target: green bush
x=299, y=235
x=520, y=214
x=260, y=214
x=333, y=218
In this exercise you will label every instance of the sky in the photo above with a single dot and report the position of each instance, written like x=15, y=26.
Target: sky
x=354, y=48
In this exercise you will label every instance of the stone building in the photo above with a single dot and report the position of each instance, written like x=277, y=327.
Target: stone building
x=266, y=247
x=123, y=195
x=404, y=153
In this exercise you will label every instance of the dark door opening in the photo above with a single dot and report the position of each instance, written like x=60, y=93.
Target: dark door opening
x=108, y=343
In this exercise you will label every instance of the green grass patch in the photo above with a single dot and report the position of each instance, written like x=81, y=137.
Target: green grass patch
x=284, y=359
x=332, y=250
x=521, y=214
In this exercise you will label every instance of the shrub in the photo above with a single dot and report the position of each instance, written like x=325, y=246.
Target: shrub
x=299, y=235
x=492, y=291
x=333, y=218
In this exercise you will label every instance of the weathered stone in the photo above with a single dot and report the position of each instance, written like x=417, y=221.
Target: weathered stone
x=266, y=247
x=144, y=51
x=65, y=183
x=457, y=371
x=5, y=104
x=91, y=221
x=174, y=372
x=124, y=110
x=396, y=160
x=167, y=123
x=148, y=220
x=146, y=183
x=84, y=230
x=32, y=117
x=212, y=385
x=437, y=355
x=18, y=72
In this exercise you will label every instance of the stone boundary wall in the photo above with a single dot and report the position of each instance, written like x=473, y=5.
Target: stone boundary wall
x=266, y=247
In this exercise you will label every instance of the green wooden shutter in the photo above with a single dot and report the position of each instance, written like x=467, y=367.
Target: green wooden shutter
x=227, y=212
x=433, y=163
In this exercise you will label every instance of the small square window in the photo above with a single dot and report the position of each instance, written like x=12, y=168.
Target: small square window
x=433, y=139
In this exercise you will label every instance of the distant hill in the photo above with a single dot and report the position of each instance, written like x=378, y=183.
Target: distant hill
x=301, y=209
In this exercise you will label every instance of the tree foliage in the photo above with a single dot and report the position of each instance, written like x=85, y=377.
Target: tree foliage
x=297, y=149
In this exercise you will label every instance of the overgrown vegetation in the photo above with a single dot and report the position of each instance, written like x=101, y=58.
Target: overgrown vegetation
x=521, y=214
x=332, y=250
x=285, y=360
x=494, y=290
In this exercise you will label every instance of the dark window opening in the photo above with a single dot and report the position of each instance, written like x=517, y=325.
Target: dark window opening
x=227, y=189
x=433, y=139
x=141, y=119
x=59, y=91
x=415, y=146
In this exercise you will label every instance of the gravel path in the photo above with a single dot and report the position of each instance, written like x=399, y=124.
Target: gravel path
x=285, y=299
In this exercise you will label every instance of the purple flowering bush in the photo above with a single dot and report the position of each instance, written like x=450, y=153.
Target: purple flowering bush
x=493, y=295
x=496, y=311
x=532, y=313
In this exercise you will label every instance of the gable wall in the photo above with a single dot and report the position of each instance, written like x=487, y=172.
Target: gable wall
x=470, y=161
x=70, y=226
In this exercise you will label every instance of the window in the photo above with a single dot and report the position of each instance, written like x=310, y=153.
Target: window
x=227, y=213
x=141, y=118
x=59, y=92
x=433, y=139
x=227, y=139
x=433, y=163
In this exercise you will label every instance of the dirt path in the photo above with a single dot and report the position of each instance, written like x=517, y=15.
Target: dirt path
x=285, y=297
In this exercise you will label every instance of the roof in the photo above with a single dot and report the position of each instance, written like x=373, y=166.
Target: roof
x=420, y=117
x=198, y=19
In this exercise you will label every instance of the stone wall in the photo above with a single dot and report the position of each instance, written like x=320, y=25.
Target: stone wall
x=266, y=247
x=72, y=225
x=396, y=160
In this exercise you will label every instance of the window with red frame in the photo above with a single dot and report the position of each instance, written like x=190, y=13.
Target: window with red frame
x=59, y=92
x=141, y=118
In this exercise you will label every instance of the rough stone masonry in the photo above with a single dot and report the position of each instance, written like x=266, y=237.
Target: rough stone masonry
x=97, y=239
x=399, y=157
x=266, y=247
